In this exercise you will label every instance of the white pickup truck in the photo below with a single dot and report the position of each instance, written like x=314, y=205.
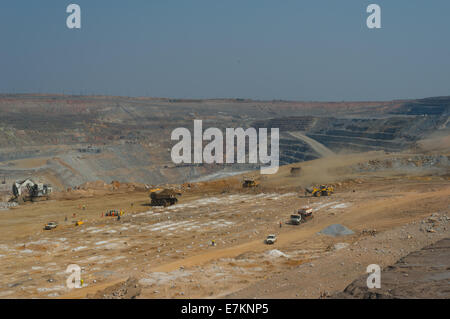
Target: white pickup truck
x=271, y=239
x=51, y=225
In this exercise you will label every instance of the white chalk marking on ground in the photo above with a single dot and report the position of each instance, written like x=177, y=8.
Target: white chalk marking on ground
x=338, y=206
x=275, y=253
x=57, y=288
x=339, y=246
x=38, y=242
x=164, y=277
x=112, y=246
x=318, y=206
x=94, y=258
x=94, y=231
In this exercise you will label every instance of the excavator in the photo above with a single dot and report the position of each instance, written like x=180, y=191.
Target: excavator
x=322, y=190
x=28, y=190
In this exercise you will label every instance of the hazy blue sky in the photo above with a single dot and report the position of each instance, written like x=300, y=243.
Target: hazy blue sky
x=262, y=49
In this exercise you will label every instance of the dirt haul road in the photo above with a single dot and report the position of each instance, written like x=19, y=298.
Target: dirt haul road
x=168, y=251
x=321, y=149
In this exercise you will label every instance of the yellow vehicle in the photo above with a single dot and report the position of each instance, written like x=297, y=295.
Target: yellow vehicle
x=322, y=190
x=250, y=183
x=79, y=223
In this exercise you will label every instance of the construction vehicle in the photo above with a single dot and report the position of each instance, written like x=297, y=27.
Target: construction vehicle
x=28, y=190
x=305, y=214
x=322, y=190
x=296, y=219
x=79, y=223
x=250, y=183
x=163, y=197
x=302, y=216
x=50, y=225
x=271, y=239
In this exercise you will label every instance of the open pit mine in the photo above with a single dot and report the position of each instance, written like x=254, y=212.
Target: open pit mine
x=89, y=181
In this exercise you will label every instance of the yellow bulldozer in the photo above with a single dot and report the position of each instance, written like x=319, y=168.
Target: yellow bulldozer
x=79, y=223
x=322, y=190
x=250, y=183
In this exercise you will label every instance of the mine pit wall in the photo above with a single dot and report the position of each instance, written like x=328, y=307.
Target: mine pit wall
x=438, y=106
x=294, y=151
x=358, y=135
x=67, y=171
x=125, y=139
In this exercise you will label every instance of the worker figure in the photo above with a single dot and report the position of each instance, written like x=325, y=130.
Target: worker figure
x=213, y=243
x=281, y=224
x=118, y=217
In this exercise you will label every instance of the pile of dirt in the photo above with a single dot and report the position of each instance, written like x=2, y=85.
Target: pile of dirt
x=422, y=274
x=336, y=230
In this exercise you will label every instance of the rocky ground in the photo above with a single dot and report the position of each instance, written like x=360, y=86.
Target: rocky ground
x=424, y=273
x=167, y=252
x=325, y=276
